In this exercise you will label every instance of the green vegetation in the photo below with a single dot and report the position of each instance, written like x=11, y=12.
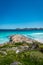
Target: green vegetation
x=28, y=57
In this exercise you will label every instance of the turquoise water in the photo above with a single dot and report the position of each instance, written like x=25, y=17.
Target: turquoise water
x=34, y=34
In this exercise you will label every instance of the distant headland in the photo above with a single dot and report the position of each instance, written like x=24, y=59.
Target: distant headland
x=23, y=29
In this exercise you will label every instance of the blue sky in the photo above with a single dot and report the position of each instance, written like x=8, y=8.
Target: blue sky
x=21, y=14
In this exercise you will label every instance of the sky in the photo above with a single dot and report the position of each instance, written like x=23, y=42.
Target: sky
x=21, y=14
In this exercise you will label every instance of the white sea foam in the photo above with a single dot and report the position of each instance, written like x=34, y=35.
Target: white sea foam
x=39, y=39
x=36, y=34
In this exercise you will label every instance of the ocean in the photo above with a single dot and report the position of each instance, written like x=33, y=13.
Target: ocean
x=34, y=34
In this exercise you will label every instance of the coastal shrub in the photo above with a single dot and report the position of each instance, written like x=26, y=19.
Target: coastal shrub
x=26, y=58
x=41, y=47
x=29, y=57
x=8, y=59
x=19, y=43
x=7, y=45
x=36, y=57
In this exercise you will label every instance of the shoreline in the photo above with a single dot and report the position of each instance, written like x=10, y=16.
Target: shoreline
x=39, y=40
x=36, y=39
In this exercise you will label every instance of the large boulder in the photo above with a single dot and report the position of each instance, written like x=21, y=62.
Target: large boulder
x=16, y=63
x=20, y=38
